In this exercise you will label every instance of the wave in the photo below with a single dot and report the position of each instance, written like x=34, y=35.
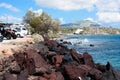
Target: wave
x=77, y=41
x=85, y=40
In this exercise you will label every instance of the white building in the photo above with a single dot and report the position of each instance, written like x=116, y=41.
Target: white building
x=78, y=31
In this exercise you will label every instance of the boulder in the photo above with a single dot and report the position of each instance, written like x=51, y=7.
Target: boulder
x=37, y=38
x=88, y=60
x=57, y=60
x=23, y=75
x=20, y=59
x=100, y=67
x=111, y=73
x=35, y=62
x=77, y=57
x=14, y=68
x=9, y=76
x=54, y=76
x=96, y=74
x=50, y=43
x=53, y=61
x=74, y=72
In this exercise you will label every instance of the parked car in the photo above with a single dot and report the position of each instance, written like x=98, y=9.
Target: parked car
x=7, y=32
x=21, y=32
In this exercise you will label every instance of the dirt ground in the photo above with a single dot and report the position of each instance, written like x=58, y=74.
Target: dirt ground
x=7, y=46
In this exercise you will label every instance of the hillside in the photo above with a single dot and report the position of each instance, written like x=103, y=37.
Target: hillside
x=89, y=27
x=100, y=30
x=82, y=23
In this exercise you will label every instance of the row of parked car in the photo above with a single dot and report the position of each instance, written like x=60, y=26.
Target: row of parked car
x=8, y=33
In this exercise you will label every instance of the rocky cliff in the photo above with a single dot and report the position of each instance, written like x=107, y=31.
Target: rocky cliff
x=50, y=60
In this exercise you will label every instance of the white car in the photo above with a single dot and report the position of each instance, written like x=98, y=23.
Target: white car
x=21, y=32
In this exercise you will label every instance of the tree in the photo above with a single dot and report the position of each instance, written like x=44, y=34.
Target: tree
x=41, y=24
x=28, y=16
x=46, y=22
x=35, y=23
x=55, y=26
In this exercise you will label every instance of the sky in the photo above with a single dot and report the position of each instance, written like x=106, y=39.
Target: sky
x=106, y=12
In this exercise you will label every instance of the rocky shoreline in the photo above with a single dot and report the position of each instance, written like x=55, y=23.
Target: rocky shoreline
x=50, y=60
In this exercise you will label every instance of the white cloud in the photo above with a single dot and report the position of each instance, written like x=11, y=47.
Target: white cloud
x=108, y=5
x=10, y=19
x=10, y=7
x=92, y=20
x=62, y=21
x=108, y=11
x=108, y=17
x=37, y=12
x=67, y=4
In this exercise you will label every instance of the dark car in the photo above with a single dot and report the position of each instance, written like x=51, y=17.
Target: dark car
x=6, y=32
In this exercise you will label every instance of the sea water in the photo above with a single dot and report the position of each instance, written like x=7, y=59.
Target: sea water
x=104, y=47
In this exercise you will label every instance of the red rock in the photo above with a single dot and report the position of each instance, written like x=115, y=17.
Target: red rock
x=1, y=62
x=30, y=63
x=30, y=66
x=54, y=76
x=88, y=60
x=42, y=70
x=62, y=49
x=59, y=76
x=48, y=57
x=96, y=73
x=36, y=63
x=111, y=73
x=47, y=76
x=9, y=76
x=1, y=68
x=38, y=60
x=77, y=57
x=14, y=68
x=42, y=78
x=23, y=75
x=102, y=68
x=57, y=59
x=73, y=72
x=1, y=65
x=33, y=77
x=1, y=77
x=20, y=59
x=11, y=58
x=51, y=43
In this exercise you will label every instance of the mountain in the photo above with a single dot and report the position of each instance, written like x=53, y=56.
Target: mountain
x=70, y=25
x=82, y=23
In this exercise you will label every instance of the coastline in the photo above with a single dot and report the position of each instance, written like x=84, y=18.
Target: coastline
x=53, y=60
x=103, y=48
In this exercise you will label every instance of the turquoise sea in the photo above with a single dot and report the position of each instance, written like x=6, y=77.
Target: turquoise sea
x=106, y=47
